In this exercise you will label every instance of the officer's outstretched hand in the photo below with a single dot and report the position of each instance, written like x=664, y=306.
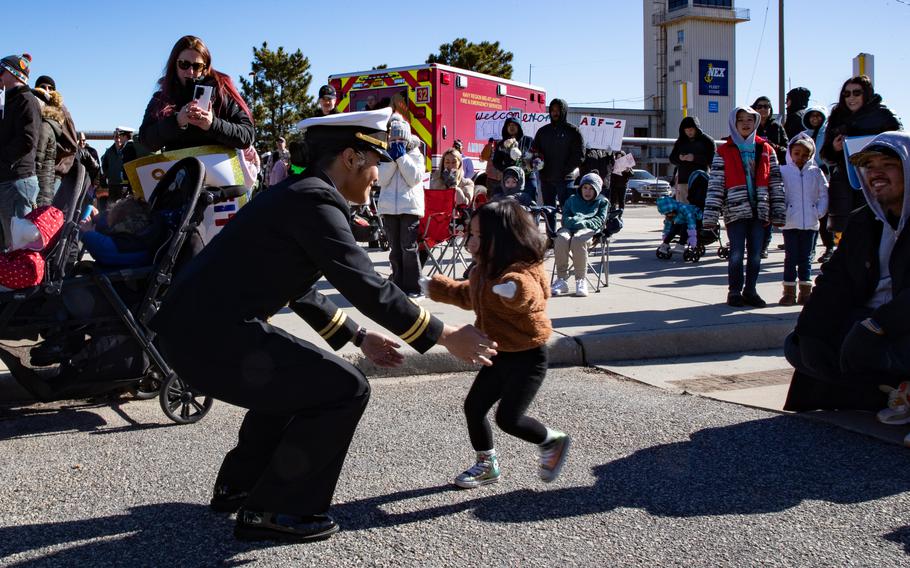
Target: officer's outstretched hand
x=381, y=350
x=468, y=344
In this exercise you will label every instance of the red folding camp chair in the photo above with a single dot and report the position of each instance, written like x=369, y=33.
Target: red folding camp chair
x=442, y=232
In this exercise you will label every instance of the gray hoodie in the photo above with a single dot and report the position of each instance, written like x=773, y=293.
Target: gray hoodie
x=900, y=143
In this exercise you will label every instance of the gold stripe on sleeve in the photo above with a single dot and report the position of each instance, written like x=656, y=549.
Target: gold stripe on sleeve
x=423, y=320
x=339, y=315
x=338, y=326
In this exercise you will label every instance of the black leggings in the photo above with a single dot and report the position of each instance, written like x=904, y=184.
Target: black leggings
x=513, y=380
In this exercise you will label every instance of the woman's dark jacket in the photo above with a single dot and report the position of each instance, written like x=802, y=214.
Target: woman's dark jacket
x=774, y=133
x=231, y=126
x=871, y=118
x=46, y=154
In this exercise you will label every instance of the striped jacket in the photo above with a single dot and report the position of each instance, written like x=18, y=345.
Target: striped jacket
x=728, y=194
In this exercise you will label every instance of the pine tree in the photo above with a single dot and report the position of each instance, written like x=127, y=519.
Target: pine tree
x=276, y=91
x=483, y=57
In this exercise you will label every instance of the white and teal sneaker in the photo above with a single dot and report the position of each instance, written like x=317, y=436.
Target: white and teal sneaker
x=484, y=472
x=553, y=456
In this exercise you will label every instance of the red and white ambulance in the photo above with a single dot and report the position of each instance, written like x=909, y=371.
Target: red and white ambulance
x=443, y=101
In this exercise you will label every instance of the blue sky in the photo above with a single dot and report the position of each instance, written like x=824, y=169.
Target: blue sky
x=106, y=56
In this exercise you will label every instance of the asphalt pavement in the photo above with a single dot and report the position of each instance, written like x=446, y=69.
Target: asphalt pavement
x=654, y=478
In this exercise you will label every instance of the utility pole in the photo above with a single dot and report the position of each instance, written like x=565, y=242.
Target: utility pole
x=780, y=62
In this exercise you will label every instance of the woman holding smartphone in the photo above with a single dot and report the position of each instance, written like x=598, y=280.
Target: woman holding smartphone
x=174, y=119
x=859, y=112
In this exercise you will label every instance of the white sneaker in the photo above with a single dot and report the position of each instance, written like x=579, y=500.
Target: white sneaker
x=898, y=411
x=581, y=288
x=559, y=287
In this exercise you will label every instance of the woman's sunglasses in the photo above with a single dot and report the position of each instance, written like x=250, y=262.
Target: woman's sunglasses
x=197, y=67
x=852, y=93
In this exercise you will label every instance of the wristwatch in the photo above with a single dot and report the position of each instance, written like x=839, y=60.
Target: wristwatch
x=359, y=337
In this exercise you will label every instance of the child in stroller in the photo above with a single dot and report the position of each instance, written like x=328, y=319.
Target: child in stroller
x=681, y=221
x=698, y=191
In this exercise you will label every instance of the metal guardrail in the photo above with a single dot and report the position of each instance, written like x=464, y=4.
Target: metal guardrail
x=736, y=14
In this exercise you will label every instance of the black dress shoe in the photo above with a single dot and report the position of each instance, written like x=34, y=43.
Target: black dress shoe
x=735, y=299
x=255, y=525
x=227, y=500
x=754, y=300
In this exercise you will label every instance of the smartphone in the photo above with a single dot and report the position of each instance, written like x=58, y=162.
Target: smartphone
x=203, y=96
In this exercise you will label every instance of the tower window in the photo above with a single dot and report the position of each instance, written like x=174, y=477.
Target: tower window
x=714, y=3
x=677, y=4
x=680, y=36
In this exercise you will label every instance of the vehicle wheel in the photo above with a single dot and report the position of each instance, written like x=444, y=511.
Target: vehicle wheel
x=636, y=197
x=181, y=403
x=148, y=387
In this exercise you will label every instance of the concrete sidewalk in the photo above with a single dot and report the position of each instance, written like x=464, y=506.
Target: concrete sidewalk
x=652, y=309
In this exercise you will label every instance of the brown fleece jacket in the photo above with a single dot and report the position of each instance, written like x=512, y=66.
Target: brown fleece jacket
x=515, y=324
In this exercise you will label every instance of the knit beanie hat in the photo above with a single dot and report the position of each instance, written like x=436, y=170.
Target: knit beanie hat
x=596, y=182
x=46, y=80
x=17, y=65
x=399, y=129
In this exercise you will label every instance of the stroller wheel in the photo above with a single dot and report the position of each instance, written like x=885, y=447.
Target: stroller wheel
x=662, y=255
x=688, y=255
x=701, y=250
x=181, y=403
x=148, y=387
x=723, y=252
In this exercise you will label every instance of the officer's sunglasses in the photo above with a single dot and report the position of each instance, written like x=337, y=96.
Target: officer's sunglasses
x=183, y=64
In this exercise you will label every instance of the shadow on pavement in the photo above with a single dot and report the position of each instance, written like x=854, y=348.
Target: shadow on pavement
x=51, y=419
x=164, y=534
x=762, y=466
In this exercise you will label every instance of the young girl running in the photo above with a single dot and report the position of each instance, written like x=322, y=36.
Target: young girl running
x=508, y=291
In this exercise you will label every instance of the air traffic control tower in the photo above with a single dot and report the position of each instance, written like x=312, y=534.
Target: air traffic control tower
x=690, y=52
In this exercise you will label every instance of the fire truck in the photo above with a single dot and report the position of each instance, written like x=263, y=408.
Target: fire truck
x=443, y=101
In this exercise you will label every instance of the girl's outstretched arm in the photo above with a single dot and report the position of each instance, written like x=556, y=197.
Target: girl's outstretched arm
x=448, y=291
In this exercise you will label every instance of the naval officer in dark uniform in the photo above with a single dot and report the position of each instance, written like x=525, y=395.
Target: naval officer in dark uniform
x=304, y=402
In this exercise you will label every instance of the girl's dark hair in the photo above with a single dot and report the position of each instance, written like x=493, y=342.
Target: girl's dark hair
x=508, y=235
x=841, y=111
x=169, y=85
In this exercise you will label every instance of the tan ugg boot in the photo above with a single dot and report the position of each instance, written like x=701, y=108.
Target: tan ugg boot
x=805, y=290
x=789, y=297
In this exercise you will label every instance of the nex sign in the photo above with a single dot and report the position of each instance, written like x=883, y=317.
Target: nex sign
x=713, y=78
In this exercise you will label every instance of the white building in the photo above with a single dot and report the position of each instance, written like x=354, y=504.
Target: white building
x=691, y=43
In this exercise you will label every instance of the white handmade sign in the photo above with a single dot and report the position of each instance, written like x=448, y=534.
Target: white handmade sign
x=488, y=124
x=602, y=133
x=222, y=168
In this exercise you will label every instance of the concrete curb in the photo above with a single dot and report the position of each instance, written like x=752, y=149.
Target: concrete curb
x=666, y=343
x=568, y=351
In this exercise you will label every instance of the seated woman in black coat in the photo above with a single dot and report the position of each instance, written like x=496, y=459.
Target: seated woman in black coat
x=173, y=120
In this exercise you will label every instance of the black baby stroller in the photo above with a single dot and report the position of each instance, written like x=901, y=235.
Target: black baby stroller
x=698, y=192
x=84, y=331
x=366, y=223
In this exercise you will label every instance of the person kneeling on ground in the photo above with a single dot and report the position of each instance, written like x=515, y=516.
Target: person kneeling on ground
x=854, y=332
x=583, y=215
